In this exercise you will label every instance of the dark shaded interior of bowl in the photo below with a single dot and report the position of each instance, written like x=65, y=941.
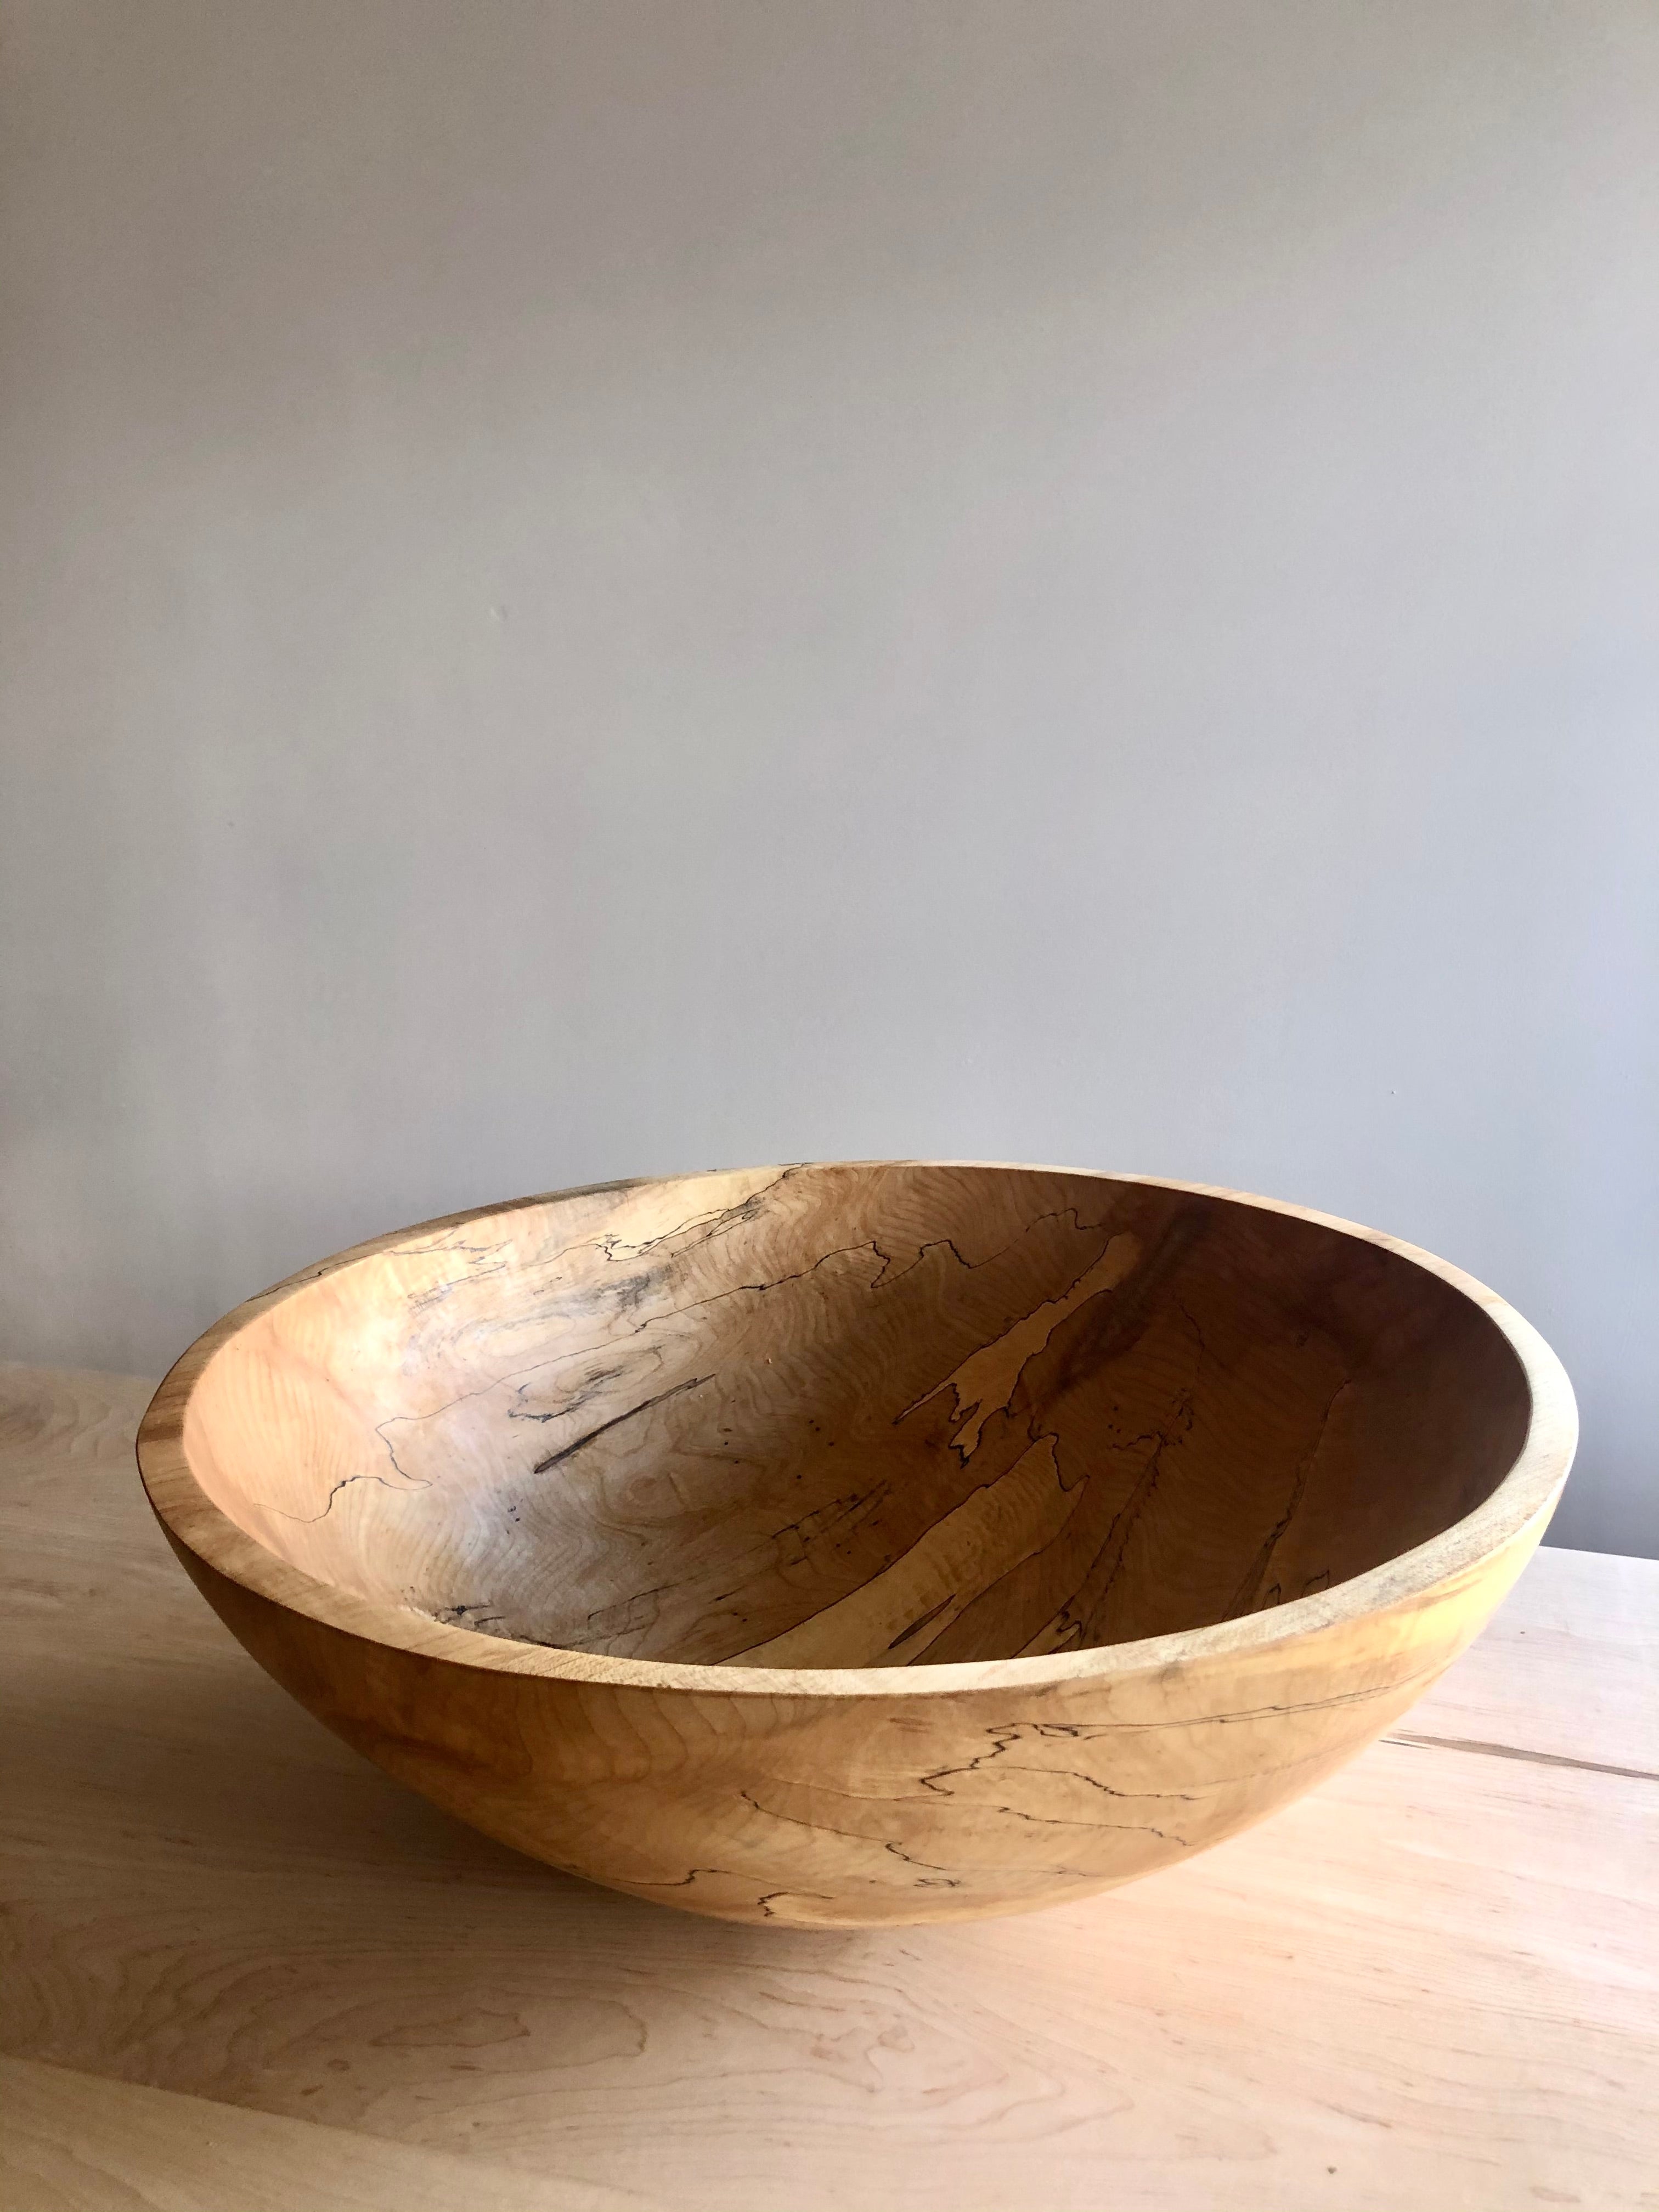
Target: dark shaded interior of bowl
x=859, y=1415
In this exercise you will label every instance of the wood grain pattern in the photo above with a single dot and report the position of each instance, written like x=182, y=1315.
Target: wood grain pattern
x=73, y=2143
x=851, y=1544
x=1432, y=1980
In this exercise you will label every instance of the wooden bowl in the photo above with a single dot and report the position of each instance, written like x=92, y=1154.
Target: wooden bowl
x=856, y=1543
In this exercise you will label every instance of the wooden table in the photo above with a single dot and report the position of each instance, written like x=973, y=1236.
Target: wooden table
x=243, y=1970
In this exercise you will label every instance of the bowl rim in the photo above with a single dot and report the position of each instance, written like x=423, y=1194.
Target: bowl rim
x=1516, y=1513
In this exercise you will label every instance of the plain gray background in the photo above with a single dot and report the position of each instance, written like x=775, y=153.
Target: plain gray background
x=609, y=587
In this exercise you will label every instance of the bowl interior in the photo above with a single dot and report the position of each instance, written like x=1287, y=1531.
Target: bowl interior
x=852, y=1416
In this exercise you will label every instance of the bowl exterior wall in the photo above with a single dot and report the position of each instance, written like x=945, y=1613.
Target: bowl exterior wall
x=850, y=1810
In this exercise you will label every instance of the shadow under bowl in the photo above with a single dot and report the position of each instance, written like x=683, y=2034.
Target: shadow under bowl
x=863, y=1542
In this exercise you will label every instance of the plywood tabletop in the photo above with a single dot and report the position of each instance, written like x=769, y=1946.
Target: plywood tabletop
x=242, y=1969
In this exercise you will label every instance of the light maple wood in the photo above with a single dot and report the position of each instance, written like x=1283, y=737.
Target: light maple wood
x=846, y=1544
x=71, y=2143
x=1432, y=1980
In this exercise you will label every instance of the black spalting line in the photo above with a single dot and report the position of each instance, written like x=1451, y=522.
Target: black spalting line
x=1513, y=1751
x=553, y=1459
x=916, y=1626
x=345, y=1483
x=818, y=1826
x=1250, y=1590
x=1004, y=1741
x=592, y=1386
x=712, y=1224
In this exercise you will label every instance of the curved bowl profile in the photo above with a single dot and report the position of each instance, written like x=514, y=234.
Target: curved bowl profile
x=863, y=1542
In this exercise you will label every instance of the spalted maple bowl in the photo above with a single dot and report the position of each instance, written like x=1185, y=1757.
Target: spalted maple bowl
x=855, y=1543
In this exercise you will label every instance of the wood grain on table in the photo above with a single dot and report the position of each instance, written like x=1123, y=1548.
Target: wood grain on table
x=241, y=1968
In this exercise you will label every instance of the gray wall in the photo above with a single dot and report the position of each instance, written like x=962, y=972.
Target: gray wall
x=606, y=587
